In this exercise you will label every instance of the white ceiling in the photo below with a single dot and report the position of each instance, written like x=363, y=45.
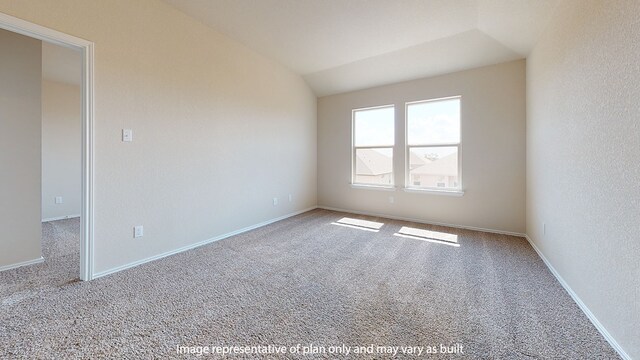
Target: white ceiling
x=61, y=64
x=344, y=45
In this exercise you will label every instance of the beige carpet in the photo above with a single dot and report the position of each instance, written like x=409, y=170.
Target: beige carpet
x=300, y=281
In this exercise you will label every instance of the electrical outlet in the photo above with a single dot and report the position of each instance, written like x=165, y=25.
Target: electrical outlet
x=391, y=200
x=127, y=135
x=275, y=201
x=290, y=198
x=58, y=199
x=138, y=231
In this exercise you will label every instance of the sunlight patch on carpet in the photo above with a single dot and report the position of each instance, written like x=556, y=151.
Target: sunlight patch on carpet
x=427, y=235
x=359, y=224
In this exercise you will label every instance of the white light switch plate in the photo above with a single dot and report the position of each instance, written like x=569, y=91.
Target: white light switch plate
x=138, y=231
x=127, y=135
x=58, y=199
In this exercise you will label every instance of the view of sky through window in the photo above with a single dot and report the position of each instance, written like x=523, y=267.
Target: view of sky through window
x=434, y=122
x=374, y=127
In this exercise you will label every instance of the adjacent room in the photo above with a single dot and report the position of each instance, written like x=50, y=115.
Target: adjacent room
x=320, y=179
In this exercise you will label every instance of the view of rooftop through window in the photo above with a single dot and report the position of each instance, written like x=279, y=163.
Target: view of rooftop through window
x=433, y=143
x=373, y=141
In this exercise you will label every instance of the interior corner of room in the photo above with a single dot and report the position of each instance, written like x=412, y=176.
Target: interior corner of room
x=189, y=126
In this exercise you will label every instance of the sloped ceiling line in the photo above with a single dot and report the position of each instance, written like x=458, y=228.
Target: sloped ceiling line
x=345, y=45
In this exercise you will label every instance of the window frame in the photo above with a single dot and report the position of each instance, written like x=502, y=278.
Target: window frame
x=355, y=148
x=408, y=183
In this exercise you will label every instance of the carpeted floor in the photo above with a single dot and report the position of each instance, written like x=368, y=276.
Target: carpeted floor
x=300, y=281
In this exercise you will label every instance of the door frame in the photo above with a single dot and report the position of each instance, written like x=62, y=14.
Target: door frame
x=86, y=47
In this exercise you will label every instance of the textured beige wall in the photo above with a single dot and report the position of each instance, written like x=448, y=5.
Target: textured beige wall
x=583, y=146
x=493, y=149
x=61, y=149
x=218, y=129
x=20, y=113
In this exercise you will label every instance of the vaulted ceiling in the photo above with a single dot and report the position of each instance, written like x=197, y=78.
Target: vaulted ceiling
x=344, y=45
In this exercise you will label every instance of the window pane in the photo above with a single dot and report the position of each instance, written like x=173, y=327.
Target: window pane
x=374, y=127
x=374, y=166
x=434, y=167
x=434, y=122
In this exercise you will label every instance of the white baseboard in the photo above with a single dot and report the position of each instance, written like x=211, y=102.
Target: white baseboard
x=198, y=244
x=614, y=344
x=61, y=218
x=502, y=232
x=20, y=264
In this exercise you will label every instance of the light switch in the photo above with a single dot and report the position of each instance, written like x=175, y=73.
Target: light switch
x=138, y=231
x=58, y=199
x=127, y=135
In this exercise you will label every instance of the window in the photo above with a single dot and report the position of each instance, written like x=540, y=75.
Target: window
x=433, y=144
x=373, y=140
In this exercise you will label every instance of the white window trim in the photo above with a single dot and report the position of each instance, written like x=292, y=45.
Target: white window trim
x=408, y=186
x=445, y=192
x=354, y=184
x=373, y=187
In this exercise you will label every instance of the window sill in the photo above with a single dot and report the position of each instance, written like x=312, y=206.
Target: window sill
x=373, y=187
x=435, y=192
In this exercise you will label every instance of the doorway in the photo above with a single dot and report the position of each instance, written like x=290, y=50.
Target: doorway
x=86, y=85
